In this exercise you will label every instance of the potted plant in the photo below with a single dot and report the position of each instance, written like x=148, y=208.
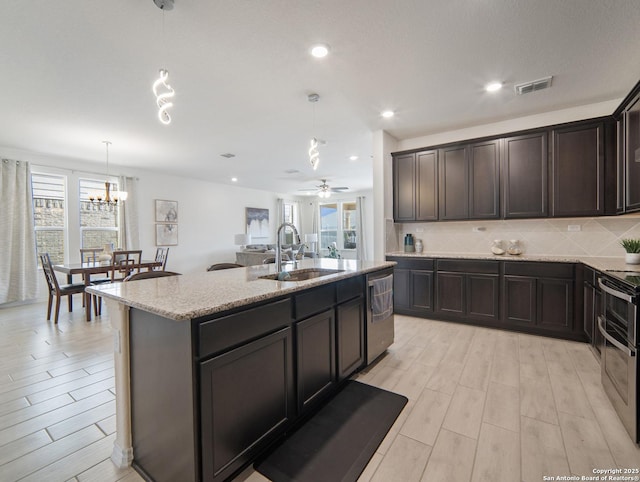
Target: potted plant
x=632, y=247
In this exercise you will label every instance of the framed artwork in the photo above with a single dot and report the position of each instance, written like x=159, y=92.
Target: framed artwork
x=166, y=234
x=257, y=222
x=166, y=211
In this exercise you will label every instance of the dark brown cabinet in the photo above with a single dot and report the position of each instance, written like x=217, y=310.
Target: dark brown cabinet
x=246, y=397
x=468, y=289
x=316, y=355
x=470, y=181
x=540, y=295
x=632, y=155
x=350, y=336
x=578, y=174
x=524, y=169
x=413, y=286
x=415, y=186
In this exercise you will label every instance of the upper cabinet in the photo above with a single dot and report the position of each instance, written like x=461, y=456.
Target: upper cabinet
x=577, y=171
x=632, y=155
x=525, y=176
x=566, y=170
x=415, y=186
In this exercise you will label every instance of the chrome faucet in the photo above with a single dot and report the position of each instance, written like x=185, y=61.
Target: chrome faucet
x=279, y=244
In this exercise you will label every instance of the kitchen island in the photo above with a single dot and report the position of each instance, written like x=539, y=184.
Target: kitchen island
x=213, y=367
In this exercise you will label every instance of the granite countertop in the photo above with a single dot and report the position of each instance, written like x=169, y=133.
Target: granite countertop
x=200, y=294
x=601, y=263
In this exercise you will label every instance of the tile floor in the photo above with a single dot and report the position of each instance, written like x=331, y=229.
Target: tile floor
x=484, y=405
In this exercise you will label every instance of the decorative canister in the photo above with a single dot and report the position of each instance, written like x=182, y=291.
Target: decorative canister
x=408, y=244
x=496, y=247
x=514, y=247
x=418, y=246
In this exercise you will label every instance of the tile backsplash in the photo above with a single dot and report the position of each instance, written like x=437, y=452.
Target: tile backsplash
x=558, y=236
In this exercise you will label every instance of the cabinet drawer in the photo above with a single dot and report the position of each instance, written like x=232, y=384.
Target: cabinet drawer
x=228, y=331
x=314, y=301
x=349, y=288
x=412, y=263
x=539, y=270
x=469, y=266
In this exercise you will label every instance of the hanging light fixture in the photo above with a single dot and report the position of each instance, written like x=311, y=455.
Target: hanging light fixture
x=314, y=155
x=108, y=196
x=161, y=88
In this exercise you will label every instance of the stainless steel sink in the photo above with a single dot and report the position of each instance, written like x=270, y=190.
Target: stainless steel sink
x=302, y=274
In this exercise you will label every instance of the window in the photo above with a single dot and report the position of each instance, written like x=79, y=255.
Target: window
x=290, y=215
x=49, y=201
x=99, y=223
x=338, y=224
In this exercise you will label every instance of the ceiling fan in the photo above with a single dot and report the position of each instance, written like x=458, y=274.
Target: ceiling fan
x=324, y=190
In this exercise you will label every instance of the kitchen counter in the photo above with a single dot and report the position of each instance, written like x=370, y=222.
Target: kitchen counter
x=600, y=263
x=191, y=296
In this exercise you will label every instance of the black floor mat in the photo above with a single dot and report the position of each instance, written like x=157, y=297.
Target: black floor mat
x=337, y=442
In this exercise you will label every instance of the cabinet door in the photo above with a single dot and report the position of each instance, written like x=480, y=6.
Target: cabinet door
x=454, y=183
x=525, y=176
x=421, y=290
x=577, y=162
x=632, y=156
x=427, y=186
x=246, y=399
x=450, y=293
x=484, y=180
x=401, y=290
x=404, y=188
x=519, y=299
x=555, y=304
x=350, y=339
x=483, y=294
x=620, y=168
x=588, y=311
x=316, y=356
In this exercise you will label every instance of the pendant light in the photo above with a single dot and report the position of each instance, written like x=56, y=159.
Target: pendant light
x=108, y=196
x=161, y=89
x=314, y=155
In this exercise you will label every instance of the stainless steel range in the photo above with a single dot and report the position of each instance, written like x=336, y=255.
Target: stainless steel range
x=618, y=325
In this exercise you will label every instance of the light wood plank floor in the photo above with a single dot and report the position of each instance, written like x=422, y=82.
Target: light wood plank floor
x=484, y=405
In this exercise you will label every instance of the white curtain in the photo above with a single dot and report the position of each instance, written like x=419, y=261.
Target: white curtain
x=315, y=219
x=361, y=246
x=130, y=219
x=18, y=266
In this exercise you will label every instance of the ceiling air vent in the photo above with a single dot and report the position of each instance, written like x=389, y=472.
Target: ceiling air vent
x=228, y=155
x=527, y=87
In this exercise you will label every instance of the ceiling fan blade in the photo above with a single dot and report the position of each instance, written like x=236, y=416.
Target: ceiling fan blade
x=339, y=189
x=308, y=190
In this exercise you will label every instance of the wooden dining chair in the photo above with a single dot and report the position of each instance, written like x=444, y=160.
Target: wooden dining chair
x=161, y=257
x=150, y=274
x=57, y=290
x=124, y=263
x=90, y=255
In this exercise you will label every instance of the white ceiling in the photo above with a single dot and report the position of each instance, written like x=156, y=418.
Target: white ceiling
x=75, y=72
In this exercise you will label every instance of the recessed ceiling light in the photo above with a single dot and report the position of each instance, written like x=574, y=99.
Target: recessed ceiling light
x=493, y=86
x=388, y=114
x=234, y=179
x=353, y=158
x=319, y=51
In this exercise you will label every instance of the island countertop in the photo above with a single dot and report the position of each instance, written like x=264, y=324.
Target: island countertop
x=195, y=295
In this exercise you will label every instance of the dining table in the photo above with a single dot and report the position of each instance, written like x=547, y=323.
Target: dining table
x=92, y=268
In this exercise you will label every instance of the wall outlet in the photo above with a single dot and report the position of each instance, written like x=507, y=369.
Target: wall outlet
x=574, y=227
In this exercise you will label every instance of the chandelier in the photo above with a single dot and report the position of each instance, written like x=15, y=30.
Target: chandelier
x=109, y=195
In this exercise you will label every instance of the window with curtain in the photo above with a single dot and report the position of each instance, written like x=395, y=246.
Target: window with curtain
x=338, y=224
x=290, y=215
x=49, y=195
x=99, y=223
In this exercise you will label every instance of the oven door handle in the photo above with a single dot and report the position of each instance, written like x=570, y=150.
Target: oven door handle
x=616, y=293
x=613, y=341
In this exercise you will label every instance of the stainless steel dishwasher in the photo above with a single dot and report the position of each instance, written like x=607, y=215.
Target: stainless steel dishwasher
x=380, y=327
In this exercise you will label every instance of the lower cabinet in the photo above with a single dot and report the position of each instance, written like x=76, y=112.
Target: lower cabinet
x=413, y=286
x=247, y=395
x=350, y=336
x=316, y=358
x=468, y=290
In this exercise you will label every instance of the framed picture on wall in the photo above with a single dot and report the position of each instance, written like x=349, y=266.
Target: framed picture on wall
x=166, y=234
x=166, y=211
x=257, y=221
